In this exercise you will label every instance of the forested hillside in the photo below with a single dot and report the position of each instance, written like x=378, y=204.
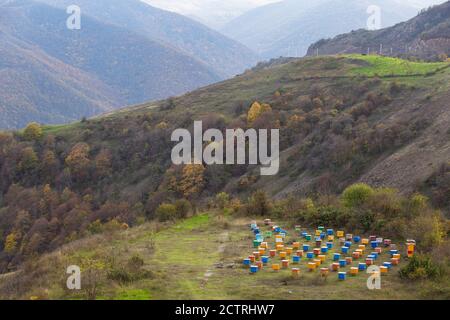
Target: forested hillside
x=342, y=119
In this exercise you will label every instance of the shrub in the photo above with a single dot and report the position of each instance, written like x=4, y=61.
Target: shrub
x=222, y=199
x=356, y=195
x=259, y=204
x=183, y=207
x=32, y=132
x=166, y=211
x=419, y=267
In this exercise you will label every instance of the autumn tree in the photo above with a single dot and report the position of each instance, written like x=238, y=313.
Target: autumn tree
x=256, y=110
x=33, y=132
x=192, y=180
x=78, y=161
x=29, y=160
x=103, y=163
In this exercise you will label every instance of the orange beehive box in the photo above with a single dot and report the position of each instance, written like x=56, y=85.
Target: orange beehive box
x=395, y=261
x=316, y=251
x=275, y=267
x=280, y=247
x=396, y=255
x=252, y=258
x=289, y=251
x=312, y=266
x=300, y=253
x=318, y=262
x=335, y=266
x=285, y=264
x=349, y=260
x=296, y=245
x=295, y=272
x=261, y=251
x=354, y=271
x=356, y=255
x=256, y=254
x=259, y=264
x=283, y=254
x=384, y=269
x=324, y=271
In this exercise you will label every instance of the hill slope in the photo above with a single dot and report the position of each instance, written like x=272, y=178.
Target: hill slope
x=287, y=28
x=130, y=67
x=222, y=55
x=425, y=36
x=342, y=120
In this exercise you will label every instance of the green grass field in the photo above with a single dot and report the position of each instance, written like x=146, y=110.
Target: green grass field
x=386, y=66
x=201, y=258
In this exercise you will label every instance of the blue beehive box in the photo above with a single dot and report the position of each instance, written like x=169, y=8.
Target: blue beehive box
x=253, y=226
x=247, y=262
x=356, y=239
x=295, y=259
x=277, y=229
x=253, y=269
x=348, y=244
x=371, y=256
x=303, y=234
x=265, y=259
x=330, y=232
x=344, y=249
x=342, y=275
x=336, y=256
x=342, y=263
x=310, y=255
x=393, y=251
x=361, y=266
x=330, y=245
x=387, y=264
x=324, y=249
x=374, y=254
x=256, y=230
x=259, y=237
x=305, y=247
x=373, y=244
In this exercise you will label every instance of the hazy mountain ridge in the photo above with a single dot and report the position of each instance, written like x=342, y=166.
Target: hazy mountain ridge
x=224, y=56
x=289, y=27
x=425, y=36
x=123, y=67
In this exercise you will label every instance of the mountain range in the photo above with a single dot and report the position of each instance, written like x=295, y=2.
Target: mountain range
x=426, y=36
x=287, y=28
x=126, y=52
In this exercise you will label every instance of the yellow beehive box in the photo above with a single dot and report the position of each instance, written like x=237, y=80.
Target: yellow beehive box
x=280, y=247
x=312, y=266
x=396, y=255
x=275, y=267
x=362, y=247
x=264, y=245
x=322, y=257
x=289, y=251
x=295, y=272
x=365, y=241
x=330, y=238
x=317, y=262
x=283, y=254
x=384, y=269
x=354, y=271
x=339, y=234
x=324, y=272
x=318, y=232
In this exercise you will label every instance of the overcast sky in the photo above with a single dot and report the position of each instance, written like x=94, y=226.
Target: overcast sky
x=216, y=13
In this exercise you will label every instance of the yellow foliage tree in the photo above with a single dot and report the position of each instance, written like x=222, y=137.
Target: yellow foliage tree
x=33, y=131
x=192, y=180
x=256, y=110
x=11, y=242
